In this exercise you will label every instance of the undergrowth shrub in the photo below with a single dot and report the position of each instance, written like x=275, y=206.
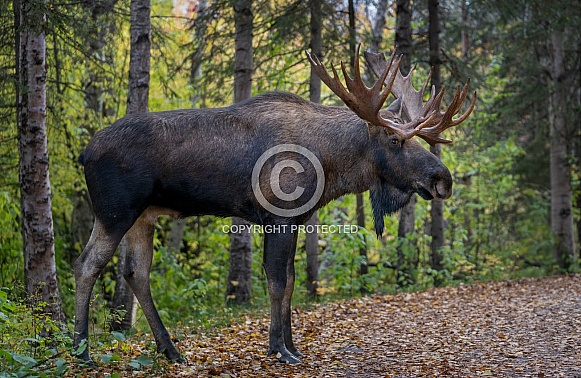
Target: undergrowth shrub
x=25, y=350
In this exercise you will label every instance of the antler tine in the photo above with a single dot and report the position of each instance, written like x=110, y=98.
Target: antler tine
x=375, y=97
x=423, y=117
x=364, y=101
x=333, y=83
x=356, y=71
x=464, y=116
x=434, y=102
x=426, y=83
x=424, y=120
x=415, y=127
x=445, y=120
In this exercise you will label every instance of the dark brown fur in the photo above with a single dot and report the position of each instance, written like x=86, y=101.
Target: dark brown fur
x=199, y=161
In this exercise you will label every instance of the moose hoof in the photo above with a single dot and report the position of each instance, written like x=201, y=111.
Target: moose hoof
x=296, y=353
x=172, y=354
x=179, y=360
x=287, y=357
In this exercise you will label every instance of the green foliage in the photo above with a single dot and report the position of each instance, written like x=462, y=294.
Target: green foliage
x=24, y=351
x=194, y=277
x=11, y=269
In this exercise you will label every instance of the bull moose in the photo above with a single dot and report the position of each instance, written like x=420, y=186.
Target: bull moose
x=203, y=161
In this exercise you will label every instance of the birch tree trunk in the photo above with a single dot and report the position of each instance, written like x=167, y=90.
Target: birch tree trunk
x=137, y=101
x=35, y=193
x=139, y=56
x=239, y=286
x=312, y=238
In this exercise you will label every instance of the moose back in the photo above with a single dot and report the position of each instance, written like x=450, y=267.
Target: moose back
x=273, y=160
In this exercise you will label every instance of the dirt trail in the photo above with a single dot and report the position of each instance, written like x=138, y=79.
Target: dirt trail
x=514, y=329
x=526, y=328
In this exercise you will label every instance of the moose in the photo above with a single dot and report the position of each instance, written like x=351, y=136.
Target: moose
x=203, y=161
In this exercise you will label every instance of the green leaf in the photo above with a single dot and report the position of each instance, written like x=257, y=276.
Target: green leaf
x=24, y=360
x=82, y=347
x=118, y=336
x=134, y=364
x=106, y=358
x=6, y=354
x=144, y=360
x=61, y=366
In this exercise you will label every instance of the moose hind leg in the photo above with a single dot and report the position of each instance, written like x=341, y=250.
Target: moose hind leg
x=277, y=251
x=137, y=270
x=95, y=256
x=286, y=303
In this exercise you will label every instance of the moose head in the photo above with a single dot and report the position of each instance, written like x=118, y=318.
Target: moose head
x=404, y=165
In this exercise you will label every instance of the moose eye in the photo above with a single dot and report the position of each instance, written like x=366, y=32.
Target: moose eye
x=394, y=141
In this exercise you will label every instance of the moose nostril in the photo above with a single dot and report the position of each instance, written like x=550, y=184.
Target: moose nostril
x=442, y=189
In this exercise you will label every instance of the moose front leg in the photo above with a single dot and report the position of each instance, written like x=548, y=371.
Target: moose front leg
x=286, y=303
x=279, y=249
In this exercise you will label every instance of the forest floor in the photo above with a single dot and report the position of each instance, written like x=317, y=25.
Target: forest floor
x=524, y=328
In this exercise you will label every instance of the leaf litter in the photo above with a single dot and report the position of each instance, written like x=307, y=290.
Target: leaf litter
x=523, y=328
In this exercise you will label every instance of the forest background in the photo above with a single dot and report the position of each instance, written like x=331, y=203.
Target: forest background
x=523, y=58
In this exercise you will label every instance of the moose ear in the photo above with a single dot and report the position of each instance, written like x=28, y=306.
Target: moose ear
x=396, y=107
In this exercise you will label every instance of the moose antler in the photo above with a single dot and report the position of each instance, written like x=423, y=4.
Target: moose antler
x=367, y=102
x=425, y=121
x=413, y=106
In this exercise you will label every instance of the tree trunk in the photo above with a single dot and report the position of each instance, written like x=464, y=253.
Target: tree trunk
x=464, y=33
x=99, y=24
x=407, y=217
x=363, y=269
x=312, y=238
x=403, y=33
x=200, y=26
x=81, y=222
x=437, y=208
x=35, y=193
x=243, y=62
x=176, y=235
x=577, y=148
x=239, y=285
x=406, y=226
x=360, y=207
x=139, y=56
x=437, y=225
x=178, y=226
x=378, y=26
x=137, y=101
x=561, y=203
